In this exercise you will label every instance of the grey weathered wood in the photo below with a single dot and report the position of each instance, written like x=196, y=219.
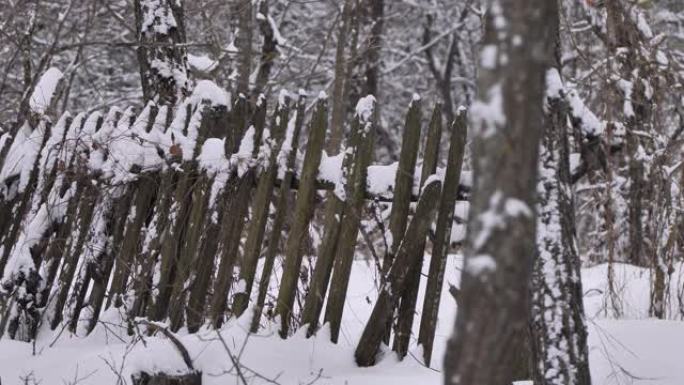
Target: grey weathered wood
x=87, y=202
x=15, y=210
x=84, y=218
x=236, y=195
x=151, y=250
x=404, y=180
x=354, y=167
x=215, y=122
x=279, y=220
x=144, y=190
x=407, y=307
x=204, y=265
x=114, y=213
x=194, y=228
x=58, y=243
x=349, y=227
x=440, y=246
x=303, y=212
x=172, y=234
x=262, y=202
x=396, y=282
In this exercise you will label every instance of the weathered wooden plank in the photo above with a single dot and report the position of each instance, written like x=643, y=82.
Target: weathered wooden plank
x=215, y=122
x=204, y=264
x=404, y=180
x=340, y=252
x=303, y=212
x=407, y=307
x=172, y=234
x=440, y=246
x=262, y=201
x=396, y=282
x=236, y=197
x=280, y=217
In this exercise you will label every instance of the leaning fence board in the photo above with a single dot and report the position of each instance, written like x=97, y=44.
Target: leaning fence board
x=396, y=282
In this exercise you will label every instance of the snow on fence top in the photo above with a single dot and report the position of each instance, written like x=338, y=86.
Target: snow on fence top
x=45, y=89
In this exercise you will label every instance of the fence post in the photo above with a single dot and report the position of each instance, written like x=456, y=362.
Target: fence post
x=58, y=244
x=396, y=281
x=161, y=212
x=303, y=211
x=261, y=204
x=110, y=221
x=403, y=184
x=204, y=265
x=440, y=247
x=179, y=207
x=281, y=212
x=84, y=215
x=213, y=123
x=236, y=195
x=144, y=190
x=407, y=307
x=355, y=191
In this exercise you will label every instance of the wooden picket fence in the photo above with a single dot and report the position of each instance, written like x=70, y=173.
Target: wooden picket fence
x=167, y=214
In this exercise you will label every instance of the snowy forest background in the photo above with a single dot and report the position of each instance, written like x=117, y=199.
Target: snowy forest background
x=352, y=191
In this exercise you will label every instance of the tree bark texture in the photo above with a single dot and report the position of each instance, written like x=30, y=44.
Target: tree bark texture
x=488, y=343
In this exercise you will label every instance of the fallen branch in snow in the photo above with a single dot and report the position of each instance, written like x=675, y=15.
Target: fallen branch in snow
x=175, y=341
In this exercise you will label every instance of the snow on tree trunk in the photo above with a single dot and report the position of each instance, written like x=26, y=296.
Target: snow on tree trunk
x=488, y=345
x=162, y=55
x=558, y=330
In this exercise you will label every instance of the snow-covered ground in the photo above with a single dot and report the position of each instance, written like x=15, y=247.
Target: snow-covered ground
x=630, y=350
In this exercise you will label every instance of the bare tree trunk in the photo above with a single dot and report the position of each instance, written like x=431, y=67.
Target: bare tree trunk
x=269, y=49
x=488, y=344
x=373, y=61
x=161, y=55
x=243, y=41
x=559, y=334
x=341, y=77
